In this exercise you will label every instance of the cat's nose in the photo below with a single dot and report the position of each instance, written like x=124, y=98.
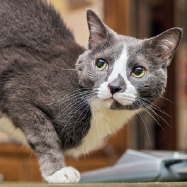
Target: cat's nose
x=114, y=87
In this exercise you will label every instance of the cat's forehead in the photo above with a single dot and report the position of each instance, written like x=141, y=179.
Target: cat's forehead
x=114, y=48
x=131, y=44
x=130, y=49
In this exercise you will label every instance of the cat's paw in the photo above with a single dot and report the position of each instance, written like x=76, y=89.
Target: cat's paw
x=65, y=175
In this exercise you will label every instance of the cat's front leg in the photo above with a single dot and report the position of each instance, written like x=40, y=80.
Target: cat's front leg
x=54, y=170
x=44, y=140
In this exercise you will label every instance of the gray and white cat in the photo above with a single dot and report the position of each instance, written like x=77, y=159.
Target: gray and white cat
x=64, y=99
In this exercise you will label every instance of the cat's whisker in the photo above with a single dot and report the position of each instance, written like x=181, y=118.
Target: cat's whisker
x=70, y=105
x=152, y=109
x=67, y=108
x=87, y=107
x=93, y=102
x=166, y=99
x=160, y=110
x=151, y=115
x=77, y=95
x=79, y=107
x=76, y=101
x=67, y=95
x=155, y=107
x=75, y=109
x=75, y=92
x=87, y=97
x=139, y=113
x=159, y=116
x=74, y=96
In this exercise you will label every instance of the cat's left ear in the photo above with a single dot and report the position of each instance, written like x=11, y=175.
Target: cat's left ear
x=98, y=31
x=164, y=46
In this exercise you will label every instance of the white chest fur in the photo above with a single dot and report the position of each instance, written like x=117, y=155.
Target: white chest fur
x=7, y=126
x=104, y=122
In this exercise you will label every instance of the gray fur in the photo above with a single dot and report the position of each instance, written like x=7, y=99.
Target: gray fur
x=47, y=80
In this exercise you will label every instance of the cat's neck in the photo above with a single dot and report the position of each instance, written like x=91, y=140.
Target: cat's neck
x=104, y=122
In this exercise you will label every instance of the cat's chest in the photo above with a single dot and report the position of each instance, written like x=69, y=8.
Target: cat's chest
x=8, y=127
x=104, y=122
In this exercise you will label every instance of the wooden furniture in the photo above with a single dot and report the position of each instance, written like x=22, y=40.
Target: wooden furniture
x=18, y=163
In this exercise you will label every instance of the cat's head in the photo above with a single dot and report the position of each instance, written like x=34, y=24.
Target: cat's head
x=125, y=72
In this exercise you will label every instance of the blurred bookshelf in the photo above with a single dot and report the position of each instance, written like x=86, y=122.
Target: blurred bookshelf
x=144, y=19
x=181, y=75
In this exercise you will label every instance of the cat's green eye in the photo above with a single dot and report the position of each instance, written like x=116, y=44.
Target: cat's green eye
x=138, y=72
x=101, y=64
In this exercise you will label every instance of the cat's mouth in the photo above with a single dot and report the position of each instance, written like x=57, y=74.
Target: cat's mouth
x=114, y=104
x=118, y=106
x=109, y=101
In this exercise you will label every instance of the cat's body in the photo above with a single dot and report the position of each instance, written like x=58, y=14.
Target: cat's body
x=64, y=99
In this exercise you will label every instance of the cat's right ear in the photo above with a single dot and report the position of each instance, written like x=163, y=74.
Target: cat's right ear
x=98, y=31
x=163, y=46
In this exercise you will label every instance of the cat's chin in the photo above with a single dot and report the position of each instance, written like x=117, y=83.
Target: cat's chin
x=117, y=106
x=109, y=102
x=113, y=104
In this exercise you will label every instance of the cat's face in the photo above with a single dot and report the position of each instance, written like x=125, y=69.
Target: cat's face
x=124, y=72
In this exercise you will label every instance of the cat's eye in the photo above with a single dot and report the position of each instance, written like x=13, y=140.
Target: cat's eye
x=138, y=72
x=101, y=64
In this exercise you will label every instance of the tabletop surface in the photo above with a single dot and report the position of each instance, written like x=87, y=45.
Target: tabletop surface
x=147, y=184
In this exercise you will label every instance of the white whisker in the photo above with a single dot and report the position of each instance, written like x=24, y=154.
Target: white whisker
x=139, y=113
x=74, y=102
x=72, y=94
x=150, y=114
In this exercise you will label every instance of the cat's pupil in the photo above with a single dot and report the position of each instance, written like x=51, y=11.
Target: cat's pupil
x=138, y=71
x=100, y=63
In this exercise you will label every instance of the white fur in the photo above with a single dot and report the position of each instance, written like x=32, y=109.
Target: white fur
x=120, y=69
x=7, y=126
x=120, y=65
x=65, y=175
x=167, y=44
x=130, y=93
x=105, y=121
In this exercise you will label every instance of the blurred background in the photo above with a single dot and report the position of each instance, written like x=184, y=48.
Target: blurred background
x=164, y=129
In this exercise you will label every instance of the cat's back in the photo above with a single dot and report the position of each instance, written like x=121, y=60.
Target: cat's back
x=31, y=23
x=35, y=48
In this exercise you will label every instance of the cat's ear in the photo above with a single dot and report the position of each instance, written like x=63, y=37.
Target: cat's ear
x=164, y=45
x=98, y=31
